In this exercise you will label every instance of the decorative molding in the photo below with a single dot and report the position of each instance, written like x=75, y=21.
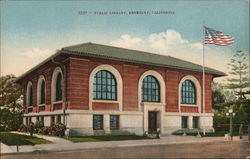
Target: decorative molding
x=162, y=87
x=28, y=94
x=39, y=83
x=198, y=92
x=119, y=81
x=56, y=71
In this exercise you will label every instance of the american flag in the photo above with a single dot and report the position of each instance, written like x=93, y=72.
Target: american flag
x=216, y=37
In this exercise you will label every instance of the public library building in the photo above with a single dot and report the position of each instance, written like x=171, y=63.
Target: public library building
x=98, y=89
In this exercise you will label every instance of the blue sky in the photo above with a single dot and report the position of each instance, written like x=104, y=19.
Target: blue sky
x=33, y=30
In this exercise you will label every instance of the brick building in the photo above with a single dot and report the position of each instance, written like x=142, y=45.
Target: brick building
x=99, y=89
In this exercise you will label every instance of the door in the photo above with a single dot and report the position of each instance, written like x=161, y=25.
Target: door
x=152, y=122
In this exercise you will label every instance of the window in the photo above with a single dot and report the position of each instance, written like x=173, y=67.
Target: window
x=58, y=120
x=195, y=122
x=98, y=122
x=30, y=96
x=42, y=119
x=184, y=122
x=27, y=121
x=30, y=120
x=37, y=118
x=42, y=95
x=104, y=86
x=150, y=89
x=59, y=87
x=114, y=122
x=188, y=92
x=52, y=120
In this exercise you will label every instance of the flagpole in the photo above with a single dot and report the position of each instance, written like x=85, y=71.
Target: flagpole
x=203, y=83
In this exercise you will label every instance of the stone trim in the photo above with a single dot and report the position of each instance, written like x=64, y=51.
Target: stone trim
x=39, y=83
x=162, y=85
x=118, y=77
x=188, y=114
x=28, y=94
x=198, y=92
x=56, y=71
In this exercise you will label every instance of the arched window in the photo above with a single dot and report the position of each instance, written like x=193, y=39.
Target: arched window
x=59, y=87
x=104, y=86
x=31, y=96
x=150, y=89
x=188, y=92
x=42, y=93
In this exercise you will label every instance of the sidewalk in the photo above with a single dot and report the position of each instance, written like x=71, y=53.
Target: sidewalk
x=60, y=144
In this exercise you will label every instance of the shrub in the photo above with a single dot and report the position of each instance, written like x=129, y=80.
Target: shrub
x=45, y=130
x=38, y=126
x=23, y=128
x=57, y=129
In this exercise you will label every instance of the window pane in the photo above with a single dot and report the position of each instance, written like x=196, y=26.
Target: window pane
x=59, y=87
x=105, y=88
x=150, y=88
x=188, y=95
x=195, y=122
x=31, y=96
x=114, y=122
x=184, y=122
x=42, y=96
x=97, y=122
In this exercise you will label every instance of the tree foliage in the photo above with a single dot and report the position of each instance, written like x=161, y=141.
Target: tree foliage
x=10, y=103
x=240, y=70
x=10, y=93
x=240, y=107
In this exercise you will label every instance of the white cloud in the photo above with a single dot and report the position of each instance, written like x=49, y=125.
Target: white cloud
x=171, y=40
x=196, y=45
x=126, y=41
x=37, y=53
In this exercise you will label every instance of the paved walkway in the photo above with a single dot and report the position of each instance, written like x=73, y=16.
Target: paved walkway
x=60, y=144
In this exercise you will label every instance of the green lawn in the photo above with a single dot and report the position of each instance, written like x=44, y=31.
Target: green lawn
x=215, y=134
x=105, y=138
x=16, y=139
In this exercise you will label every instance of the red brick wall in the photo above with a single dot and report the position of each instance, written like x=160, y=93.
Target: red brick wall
x=78, y=72
x=172, y=88
x=46, y=70
x=78, y=84
x=104, y=106
x=208, y=93
x=130, y=87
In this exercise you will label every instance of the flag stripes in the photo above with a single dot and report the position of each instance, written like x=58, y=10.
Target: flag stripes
x=217, y=38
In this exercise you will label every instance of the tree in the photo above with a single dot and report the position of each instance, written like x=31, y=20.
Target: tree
x=218, y=96
x=10, y=103
x=10, y=94
x=240, y=70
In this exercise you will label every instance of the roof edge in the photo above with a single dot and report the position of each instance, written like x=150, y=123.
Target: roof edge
x=38, y=65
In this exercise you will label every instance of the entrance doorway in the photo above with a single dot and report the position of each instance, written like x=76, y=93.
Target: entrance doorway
x=152, y=122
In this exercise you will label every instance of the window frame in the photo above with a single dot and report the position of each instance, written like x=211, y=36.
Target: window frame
x=58, y=89
x=52, y=120
x=42, y=93
x=188, y=92
x=104, y=79
x=196, y=123
x=29, y=95
x=150, y=88
x=117, y=122
x=40, y=82
x=58, y=119
x=101, y=122
x=184, y=122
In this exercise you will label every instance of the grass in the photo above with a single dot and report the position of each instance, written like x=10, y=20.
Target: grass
x=105, y=138
x=17, y=139
x=215, y=134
